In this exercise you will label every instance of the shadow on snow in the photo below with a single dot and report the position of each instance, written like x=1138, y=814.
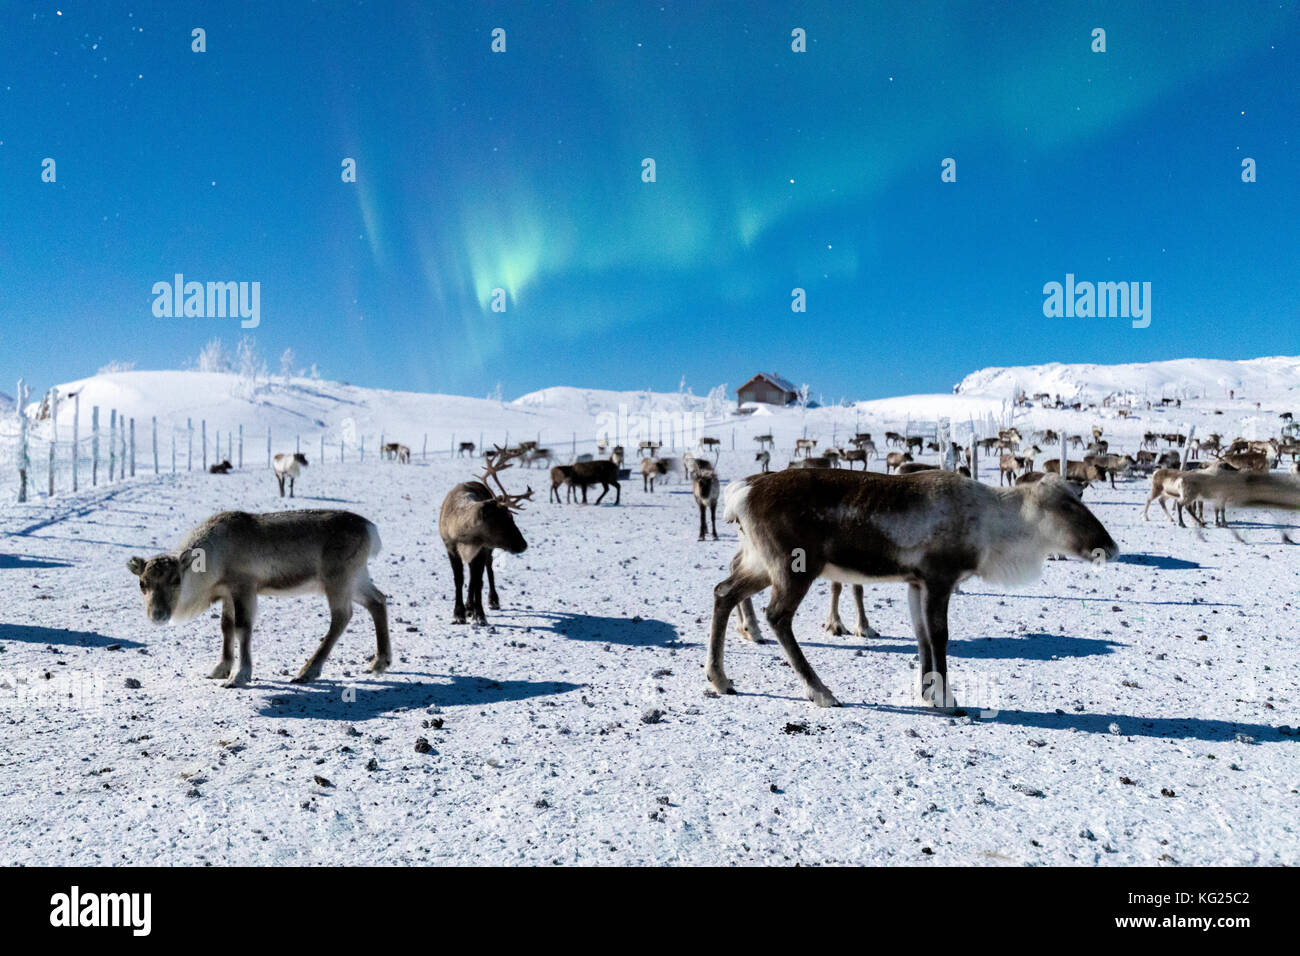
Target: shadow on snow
x=337, y=700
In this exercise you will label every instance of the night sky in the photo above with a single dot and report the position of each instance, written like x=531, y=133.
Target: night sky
x=522, y=170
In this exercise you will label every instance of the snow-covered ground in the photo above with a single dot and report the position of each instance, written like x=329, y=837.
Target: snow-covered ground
x=1142, y=713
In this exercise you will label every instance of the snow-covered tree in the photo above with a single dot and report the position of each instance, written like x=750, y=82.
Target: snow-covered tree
x=213, y=357
x=112, y=367
x=249, y=366
x=313, y=373
x=717, y=401
x=805, y=391
x=286, y=365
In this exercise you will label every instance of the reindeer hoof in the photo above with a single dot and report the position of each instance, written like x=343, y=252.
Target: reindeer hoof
x=722, y=685
x=306, y=675
x=378, y=665
x=221, y=671
x=824, y=698
x=494, y=604
x=458, y=619
x=836, y=628
x=240, y=679
x=870, y=633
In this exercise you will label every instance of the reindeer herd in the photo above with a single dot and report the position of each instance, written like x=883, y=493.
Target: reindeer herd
x=917, y=523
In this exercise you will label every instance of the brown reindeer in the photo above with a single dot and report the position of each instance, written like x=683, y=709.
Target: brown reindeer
x=705, y=489
x=474, y=521
x=234, y=556
x=804, y=447
x=912, y=467
x=764, y=458
x=465, y=448
x=1242, y=489
x=223, y=468
x=601, y=471
x=651, y=468
x=931, y=530
x=560, y=476
x=896, y=458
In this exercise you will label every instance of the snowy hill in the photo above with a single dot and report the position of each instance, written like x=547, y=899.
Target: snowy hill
x=1251, y=379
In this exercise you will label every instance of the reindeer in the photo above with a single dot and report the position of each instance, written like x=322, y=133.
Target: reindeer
x=1248, y=461
x=1164, y=487
x=616, y=456
x=1076, y=470
x=223, y=468
x=474, y=521
x=896, y=458
x=714, y=445
x=705, y=489
x=912, y=467
x=601, y=471
x=1008, y=465
x=234, y=556
x=764, y=458
x=833, y=455
x=465, y=448
x=690, y=463
x=648, y=446
x=1075, y=441
x=1243, y=489
x=288, y=466
x=815, y=462
x=399, y=453
x=931, y=530
x=914, y=443
x=651, y=468
x=1111, y=465
x=804, y=446
x=857, y=454
x=560, y=475
x=893, y=438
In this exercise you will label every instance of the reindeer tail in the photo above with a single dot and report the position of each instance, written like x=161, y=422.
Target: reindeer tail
x=372, y=533
x=735, y=499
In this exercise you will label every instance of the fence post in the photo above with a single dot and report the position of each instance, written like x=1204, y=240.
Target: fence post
x=22, y=441
x=155, y=444
x=112, y=443
x=121, y=431
x=133, y=447
x=322, y=448
x=424, y=451
x=297, y=444
x=54, y=433
x=340, y=450
x=189, y=444
x=76, y=433
x=94, y=445
x=268, y=446
x=241, y=447
x=173, y=449
x=203, y=440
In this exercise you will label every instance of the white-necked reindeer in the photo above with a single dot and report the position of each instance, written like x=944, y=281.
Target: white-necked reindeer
x=474, y=521
x=705, y=489
x=235, y=556
x=931, y=530
x=288, y=466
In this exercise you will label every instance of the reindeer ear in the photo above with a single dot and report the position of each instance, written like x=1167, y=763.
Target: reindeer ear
x=136, y=565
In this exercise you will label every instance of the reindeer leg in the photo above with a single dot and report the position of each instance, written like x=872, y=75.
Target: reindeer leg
x=374, y=601
x=280, y=479
x=748, y=626
x=713, y=515
x=936, y=690
x=245, y=610
x=340, y=614
x=735, y=589
x=863, y=628
x=925, y=660
x=787, y=592
x=291, y=486
x=703, y=526
x=224, y=666
x=476, y=588
x=618, y=492
x=494, y=602
x=457, y=573
x=833, y=623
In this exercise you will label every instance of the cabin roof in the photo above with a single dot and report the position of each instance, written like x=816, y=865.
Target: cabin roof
x=773, y=379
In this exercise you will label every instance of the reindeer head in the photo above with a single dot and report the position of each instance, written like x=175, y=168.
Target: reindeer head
x=1063, y=521
x=497, y=514
x=160, y=582
x=300, y=458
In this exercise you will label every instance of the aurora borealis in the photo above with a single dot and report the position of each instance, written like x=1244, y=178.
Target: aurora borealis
x=522, y=170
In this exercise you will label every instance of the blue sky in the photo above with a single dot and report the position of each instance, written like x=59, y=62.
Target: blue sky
x=522, y=170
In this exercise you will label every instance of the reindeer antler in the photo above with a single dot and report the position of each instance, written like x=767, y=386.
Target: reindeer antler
x=499, y=461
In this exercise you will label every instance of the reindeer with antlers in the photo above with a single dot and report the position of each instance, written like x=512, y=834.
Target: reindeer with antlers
x=473, y=522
